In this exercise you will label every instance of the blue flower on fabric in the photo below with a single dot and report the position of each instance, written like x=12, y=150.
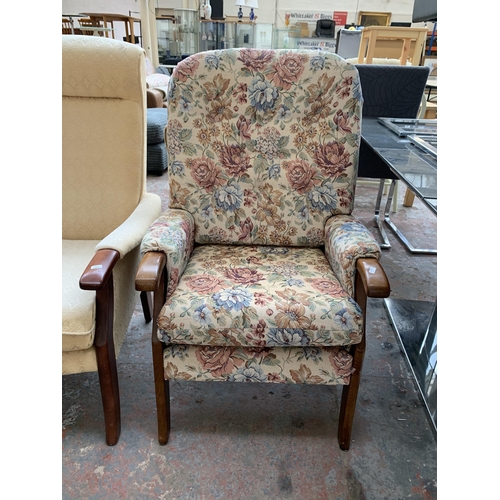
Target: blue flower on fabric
x=207, y=214
x=229, y=197
x=203, y=315
x=234, y=298
x=274, y=171
x=177, y=168
x=317, y=62
x=283, y=113
x=310, y=353
x=287, y=336
x=274, y=250
x=164, y=336
x=323, y=197
x=262, y=94
x=344, y=319
x=303, y=214
x=294, y=282
x=250, y=374
x=184, y=105
x=178, y=351
x=212, y=61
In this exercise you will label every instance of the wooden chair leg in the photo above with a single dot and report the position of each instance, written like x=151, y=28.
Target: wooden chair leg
x=349, y=396
x=162, y=389
x=147, y=305
x=106, y=362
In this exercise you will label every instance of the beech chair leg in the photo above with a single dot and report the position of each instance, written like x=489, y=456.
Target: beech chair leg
x=349, y=396
x=147, y=305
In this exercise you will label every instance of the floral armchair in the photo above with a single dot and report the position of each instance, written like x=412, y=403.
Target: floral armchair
x=260, y=272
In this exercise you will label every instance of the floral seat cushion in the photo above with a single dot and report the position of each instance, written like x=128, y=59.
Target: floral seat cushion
x=259, y=296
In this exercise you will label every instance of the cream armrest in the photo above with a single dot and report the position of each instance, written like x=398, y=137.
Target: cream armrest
x=346, y=241
x=172, y=234
x=129, y=234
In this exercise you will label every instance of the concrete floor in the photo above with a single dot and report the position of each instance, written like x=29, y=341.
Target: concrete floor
x=262, y=441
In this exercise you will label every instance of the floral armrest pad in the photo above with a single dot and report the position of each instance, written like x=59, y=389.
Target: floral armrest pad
x=173, y=234
x=347, y=240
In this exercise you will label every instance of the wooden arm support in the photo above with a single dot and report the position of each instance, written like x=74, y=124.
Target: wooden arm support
x=150, y=271
x=99, y=269
x=373, y=277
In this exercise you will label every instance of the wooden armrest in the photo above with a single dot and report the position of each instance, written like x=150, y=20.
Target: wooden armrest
x=149, y=272
x=373, y=277
x=99, y=269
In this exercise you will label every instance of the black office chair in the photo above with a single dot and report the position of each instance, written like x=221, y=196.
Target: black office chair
x=325, y=28
x=389, y=91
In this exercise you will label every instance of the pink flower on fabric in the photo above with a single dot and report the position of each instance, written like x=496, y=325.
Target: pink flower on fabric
x=329, y=286
x=218, y=360
x=205, y=172
x=300, y=175
x=235, y=159
x=333, y=159
x=256, y=60
x=287, y=69
x=243, y=125
x=341, y=119
x=186, y=68
x=244, y=275
x=341, y=362
x=204, y=283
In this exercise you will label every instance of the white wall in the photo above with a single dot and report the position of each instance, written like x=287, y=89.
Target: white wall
x=270, y=11
x=401, y=9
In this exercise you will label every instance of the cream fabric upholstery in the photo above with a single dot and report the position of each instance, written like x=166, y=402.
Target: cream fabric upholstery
x=104, y=199
x=104, y=109
x=84, y=360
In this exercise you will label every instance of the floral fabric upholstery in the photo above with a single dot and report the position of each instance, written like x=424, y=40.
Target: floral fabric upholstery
x=261, y=247
x=172, y=233
x=263, y=144
x=346, y=241
x=259, y=296
x=290, y=365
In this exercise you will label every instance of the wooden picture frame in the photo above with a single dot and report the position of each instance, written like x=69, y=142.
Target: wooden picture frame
x=366, y=19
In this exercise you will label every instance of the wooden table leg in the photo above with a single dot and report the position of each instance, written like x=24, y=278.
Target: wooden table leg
x=408, y=199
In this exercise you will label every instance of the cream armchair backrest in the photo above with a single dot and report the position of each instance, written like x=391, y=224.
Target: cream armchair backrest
x=104, y=113
x=105, y=207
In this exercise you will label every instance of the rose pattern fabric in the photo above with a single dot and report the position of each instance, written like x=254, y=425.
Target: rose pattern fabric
x=254, y=296
x=261, y=247
x=263, y=144
x=172, y=233
x=281, y=365
x=346, y=241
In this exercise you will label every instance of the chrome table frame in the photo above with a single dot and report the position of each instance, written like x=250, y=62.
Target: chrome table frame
x=415, y=324
x=401, y=137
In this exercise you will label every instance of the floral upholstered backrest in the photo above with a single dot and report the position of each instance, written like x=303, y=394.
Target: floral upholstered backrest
x=263, y=144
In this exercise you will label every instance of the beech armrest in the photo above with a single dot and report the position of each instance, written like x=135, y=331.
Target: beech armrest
x=99, y=269
x=374, y=279
x=149, y=272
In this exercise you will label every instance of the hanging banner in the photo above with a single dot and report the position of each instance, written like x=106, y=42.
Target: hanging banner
x=315, y=43
x=340, y=18
x=304, y=16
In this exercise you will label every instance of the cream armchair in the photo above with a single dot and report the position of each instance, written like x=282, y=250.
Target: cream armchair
x=105, y=208
x=260, y=272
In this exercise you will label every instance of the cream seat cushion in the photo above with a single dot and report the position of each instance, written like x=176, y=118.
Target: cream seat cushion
x=78, y=306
